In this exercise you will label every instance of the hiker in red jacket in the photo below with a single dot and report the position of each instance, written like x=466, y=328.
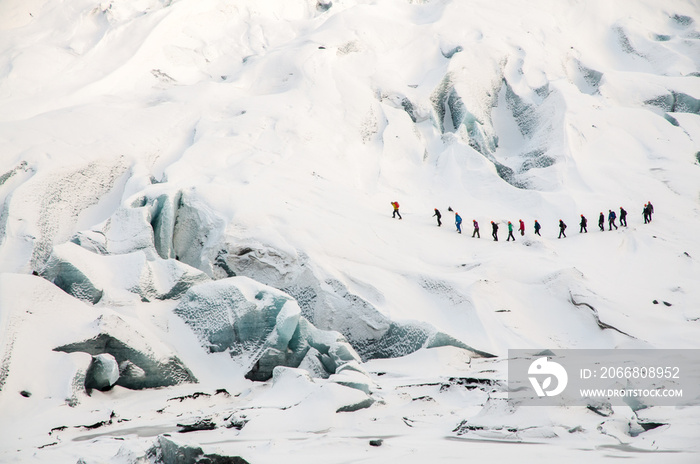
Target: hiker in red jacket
x=522, y=227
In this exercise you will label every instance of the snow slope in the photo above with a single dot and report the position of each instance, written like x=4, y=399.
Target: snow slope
x=151, y=145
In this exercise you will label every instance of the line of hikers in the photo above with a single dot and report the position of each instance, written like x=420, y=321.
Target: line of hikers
x=647, y=212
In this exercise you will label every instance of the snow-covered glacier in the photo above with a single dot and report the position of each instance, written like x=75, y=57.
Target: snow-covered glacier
x=198, y=260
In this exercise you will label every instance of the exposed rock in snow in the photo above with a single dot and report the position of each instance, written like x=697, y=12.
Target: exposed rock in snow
x=205, y=423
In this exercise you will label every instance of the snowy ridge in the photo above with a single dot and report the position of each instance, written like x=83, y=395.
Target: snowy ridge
x=196, y=230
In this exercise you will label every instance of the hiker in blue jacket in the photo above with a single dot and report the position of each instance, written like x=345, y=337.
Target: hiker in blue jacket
x=458, y=222
x=611, y=220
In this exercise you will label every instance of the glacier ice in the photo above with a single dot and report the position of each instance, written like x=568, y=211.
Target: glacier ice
x=167, y=451
x=125, y=257
x=587, y=80
x=165, y=224
x=142, y=363
x=90, y=277
x=402, y=338
x=682, y=20
x=103, y=372
x=163, y=210
x=524, y=113
x=452, y=111
x=51, y=204
x=353, y=376
x=676, y=102
x=127, y=230
x=327, y=304
x=312, y=364
x=260, y=325
x=324, y=5
x=196, y=232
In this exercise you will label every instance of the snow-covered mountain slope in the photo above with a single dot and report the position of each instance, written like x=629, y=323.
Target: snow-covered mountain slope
x=197, y=191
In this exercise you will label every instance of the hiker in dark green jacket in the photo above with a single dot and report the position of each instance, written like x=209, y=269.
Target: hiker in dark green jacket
x=510, y=232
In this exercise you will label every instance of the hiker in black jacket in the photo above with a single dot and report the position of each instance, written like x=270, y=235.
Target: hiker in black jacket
x=583, y=224
x=437, y=213
x=494, y=233
x=601, y=221
x=623, y=217
x=562, y=228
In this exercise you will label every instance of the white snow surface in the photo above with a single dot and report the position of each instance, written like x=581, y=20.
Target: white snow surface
x=282, y=130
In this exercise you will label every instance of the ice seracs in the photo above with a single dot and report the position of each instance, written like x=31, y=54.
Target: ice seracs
x=143, y=363
x=262, y=327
